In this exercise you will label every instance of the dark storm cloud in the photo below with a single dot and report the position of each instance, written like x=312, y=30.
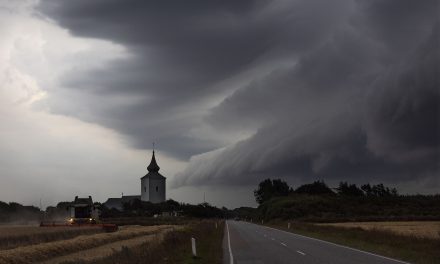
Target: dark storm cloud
x=351, y=91
x=180, y=51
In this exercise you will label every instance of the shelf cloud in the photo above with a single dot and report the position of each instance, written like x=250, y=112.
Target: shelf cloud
x=246, y=90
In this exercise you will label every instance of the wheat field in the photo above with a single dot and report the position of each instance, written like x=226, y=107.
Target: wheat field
x=426, y=229
x=18, y=236
x=45, y=251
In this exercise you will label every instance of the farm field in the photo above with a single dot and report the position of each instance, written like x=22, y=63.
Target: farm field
x=18, y=236
x=422, y=229
x=84, y=246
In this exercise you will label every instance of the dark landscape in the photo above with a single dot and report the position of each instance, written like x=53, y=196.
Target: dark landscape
x=220, y=131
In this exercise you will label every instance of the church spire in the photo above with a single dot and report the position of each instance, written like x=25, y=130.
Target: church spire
x=153, y=167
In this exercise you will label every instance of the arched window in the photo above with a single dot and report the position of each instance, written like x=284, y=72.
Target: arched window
x=157, y=188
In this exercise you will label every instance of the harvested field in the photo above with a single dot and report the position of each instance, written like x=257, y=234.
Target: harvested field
x=46, y=251
x=94, y=254
x=18, y=236
x=422, y=229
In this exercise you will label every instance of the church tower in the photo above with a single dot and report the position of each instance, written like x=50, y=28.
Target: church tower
x=153, y=184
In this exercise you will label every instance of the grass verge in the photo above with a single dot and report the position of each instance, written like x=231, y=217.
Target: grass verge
x=407, y=248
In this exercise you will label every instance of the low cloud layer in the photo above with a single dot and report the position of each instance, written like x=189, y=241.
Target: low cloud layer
x=245, y=90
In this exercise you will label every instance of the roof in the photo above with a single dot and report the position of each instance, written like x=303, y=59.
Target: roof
x=113, y=203
x=153, y=170
x=129, y=198
x=117, y=203
x=154, y=175
x=153, y=167
x=88, y=201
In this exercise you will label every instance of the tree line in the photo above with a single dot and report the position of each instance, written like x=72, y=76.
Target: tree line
x=142, y=208
x=267, y=189
x=15, y=212
x=317, y=202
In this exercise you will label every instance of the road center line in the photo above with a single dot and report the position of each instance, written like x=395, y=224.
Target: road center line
x=283, y=244
x=302, y=253
x=231, y=258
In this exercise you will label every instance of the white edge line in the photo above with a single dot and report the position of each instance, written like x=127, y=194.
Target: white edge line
x=327, y=242
x=231, y=258
x=302, y=253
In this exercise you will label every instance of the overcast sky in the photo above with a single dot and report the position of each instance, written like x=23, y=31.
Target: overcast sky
x=231, y=92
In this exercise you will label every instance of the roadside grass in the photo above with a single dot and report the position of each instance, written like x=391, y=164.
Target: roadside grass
x=175, y=247
x=209, y=244
x=428, y=229
x=386, y=243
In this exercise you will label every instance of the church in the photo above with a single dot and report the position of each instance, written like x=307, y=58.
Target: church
x=153, y=184
x=152, y=188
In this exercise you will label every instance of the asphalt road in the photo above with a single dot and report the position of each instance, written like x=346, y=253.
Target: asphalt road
x=250, y=243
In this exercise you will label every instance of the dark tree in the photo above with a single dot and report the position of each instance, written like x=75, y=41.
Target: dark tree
x=379, y=190
x=367, y=189
x=268, y=189
x=316, y=188
x=349, y=189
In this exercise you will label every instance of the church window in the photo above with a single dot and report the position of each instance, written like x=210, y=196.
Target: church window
x=157, y=189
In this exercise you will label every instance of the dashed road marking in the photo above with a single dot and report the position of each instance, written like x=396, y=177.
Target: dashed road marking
x=302, y=253
x=283, y=244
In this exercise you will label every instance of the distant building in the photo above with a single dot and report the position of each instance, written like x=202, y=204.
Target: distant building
x=152, y=189
x=118, y=203
x=153, y=184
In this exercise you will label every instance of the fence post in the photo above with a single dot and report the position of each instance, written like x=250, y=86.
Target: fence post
x=262, y=221
x=288, y=225
x=215, y=224
x=193, y=246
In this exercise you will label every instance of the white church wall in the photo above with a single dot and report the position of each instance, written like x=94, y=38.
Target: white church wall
x=145, y=190
x=157, y=190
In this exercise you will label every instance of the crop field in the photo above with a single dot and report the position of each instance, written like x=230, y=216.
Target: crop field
x=422, y=229
x=50, y=244
x=18, y=236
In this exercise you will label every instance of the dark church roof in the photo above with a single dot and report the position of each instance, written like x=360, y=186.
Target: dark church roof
x=153, y=169
x=118, y=203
